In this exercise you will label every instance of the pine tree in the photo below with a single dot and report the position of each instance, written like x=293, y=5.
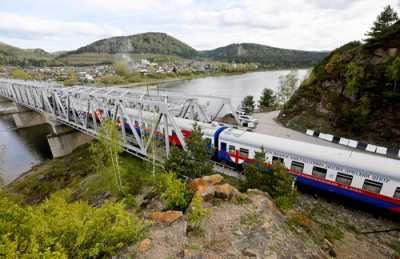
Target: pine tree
x=384, y=20
x=267, y=99
x=248, y=104
x=194, y=162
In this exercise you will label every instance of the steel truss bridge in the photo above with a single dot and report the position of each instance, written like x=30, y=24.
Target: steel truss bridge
x=84, y=108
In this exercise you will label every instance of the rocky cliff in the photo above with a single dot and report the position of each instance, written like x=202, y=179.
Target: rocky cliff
x=353, y=92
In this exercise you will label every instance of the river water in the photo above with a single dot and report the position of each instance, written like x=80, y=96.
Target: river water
x=25, y=148
x=234, y=87
x=21, y=148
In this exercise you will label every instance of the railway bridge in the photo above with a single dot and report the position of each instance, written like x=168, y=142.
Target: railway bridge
x=75, y=113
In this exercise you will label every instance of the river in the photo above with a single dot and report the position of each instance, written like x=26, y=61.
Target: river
x=234, y=87
x=25, y=148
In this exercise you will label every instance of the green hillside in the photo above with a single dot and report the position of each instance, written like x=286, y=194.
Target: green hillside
x=354, y=92
x=265, y=55
x=151, y=42
x=10, y=55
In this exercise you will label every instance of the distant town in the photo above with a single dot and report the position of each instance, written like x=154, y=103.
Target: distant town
x=123, y=71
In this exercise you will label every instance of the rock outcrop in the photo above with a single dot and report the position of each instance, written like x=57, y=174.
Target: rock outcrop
x=352, y=93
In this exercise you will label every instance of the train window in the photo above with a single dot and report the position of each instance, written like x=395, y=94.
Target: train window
x=232, y=149
x=319, y=171
x=277, y=159
x=372, y=186
x=223, y=146
x=244, y=152
x=297, y=166
x=344, y=178
x=397, y=193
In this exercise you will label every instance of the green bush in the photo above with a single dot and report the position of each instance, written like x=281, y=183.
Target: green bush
x=112, y=80
x=20, y=74
x=58, y=229
x=277, y=182
x=198, y=213
x=172, y=190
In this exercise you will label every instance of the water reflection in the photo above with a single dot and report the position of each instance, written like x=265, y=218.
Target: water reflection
x=23, y=148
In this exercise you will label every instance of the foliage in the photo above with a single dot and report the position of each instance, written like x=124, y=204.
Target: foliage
x=393, y=72
x=58, y=229
x=121, y=69
x=172, y=190
x=267, y=99
x=353, y=76
x=106, y=151
x=248, y=104
x=384, y=20
x=20, y=74
x=195, y=162
x=277, y=182
x=112, y=80
x=237, y=68
x=197, y=213
x=71, y=80
x=287, y=86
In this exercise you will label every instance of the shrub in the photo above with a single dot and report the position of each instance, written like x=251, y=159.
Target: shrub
x=58, y=229
x=198, y=213
x=172, y=190
x=277, y=182
x=20, y=74
x=112, y=80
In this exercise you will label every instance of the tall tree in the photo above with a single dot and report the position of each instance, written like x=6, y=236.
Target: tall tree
x=287, y=86
x=106, y=151
x=248, y=104
x=267, y=99
x=384, y=20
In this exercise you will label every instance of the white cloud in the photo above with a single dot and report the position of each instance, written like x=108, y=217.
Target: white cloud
x=296, y=24
x=28, y=27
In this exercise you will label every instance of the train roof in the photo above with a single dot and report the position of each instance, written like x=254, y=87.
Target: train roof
x=346, y=158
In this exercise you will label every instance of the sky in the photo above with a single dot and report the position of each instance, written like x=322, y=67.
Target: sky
x=56, y=25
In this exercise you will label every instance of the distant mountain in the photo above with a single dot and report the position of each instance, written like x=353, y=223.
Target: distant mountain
x=354, y=92
x=10, y=55
x=150, y=42
x=160, y=46
x=265, y=55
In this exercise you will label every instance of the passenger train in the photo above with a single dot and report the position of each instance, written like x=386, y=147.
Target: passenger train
x=360, y=176
x=364, y=177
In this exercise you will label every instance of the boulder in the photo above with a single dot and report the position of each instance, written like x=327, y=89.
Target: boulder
x=206, y=192
x=213, y=179
x=225, y=191
x=166, y=216
x=144, y=245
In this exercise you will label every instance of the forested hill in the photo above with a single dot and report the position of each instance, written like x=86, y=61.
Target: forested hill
x=10, y=55
x=354, y=92
x=151, y=42
x=265, y=55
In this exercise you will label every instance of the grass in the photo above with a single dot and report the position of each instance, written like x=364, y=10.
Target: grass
x=75, y=172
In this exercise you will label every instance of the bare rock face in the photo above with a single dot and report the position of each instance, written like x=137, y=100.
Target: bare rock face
x=204, y=187
x=166, y=216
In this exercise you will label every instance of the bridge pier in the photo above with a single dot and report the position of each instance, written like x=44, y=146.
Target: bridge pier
x=24, y=118
x=7, y=106
x=64, y=140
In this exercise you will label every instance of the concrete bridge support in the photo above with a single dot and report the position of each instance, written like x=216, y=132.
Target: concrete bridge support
x=24, y=118
x=64, y=140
